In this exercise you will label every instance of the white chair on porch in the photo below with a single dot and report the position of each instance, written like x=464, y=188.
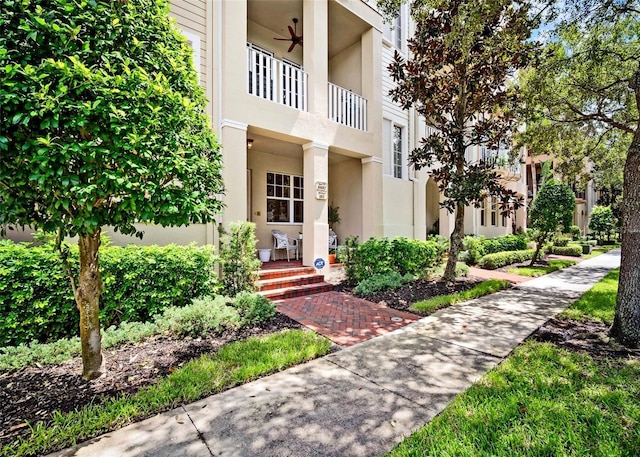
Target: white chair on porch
x=333, y=240
x=282, y=241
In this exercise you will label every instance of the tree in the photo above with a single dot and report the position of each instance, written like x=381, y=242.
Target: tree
x=102, y=123
x=602, y=221
x=590, y=83
x=551, y=210
x=462, y=55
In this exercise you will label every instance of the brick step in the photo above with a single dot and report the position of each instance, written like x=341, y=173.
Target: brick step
x=290, y=281
x=286, y=272
x=297, y=291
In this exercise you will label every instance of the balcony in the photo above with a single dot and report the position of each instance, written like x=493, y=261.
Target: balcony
x=499, y=159
x=347, y=108
x=276, y=80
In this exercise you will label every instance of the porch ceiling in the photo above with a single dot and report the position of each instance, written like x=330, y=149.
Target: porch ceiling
x=345, y=28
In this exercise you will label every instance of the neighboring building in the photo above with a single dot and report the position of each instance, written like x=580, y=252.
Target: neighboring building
x=305, y=126
x=585, y=199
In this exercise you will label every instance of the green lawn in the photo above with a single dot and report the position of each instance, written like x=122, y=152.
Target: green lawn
x=233, y=364
x=600, y=250
x=598, y=303
x=484, y=288
x=554, y=265
x=543, y=401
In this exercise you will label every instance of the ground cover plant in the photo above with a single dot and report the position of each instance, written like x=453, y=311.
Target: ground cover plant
x=539, y=270
x=568, y=372
x=434, y=303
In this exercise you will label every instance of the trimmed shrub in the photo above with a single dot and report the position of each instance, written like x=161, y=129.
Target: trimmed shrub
x=36, y=300
x=575, y=232
x=501, y=259
x=475, y=249
x=240, y=266
x=574, y=250
x=384, y=255
x=253, y=308
x=380, y=282
x=560, y=240
x=505, y=243
x=204, y=315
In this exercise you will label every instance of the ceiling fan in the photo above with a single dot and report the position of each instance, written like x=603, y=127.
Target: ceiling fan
x=295, y=39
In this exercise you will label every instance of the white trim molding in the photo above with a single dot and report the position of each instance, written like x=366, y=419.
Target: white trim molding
x=314, y=144
x=233, y=124
x=371, y=160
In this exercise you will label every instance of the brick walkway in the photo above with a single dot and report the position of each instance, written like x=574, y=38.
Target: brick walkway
x=344, y=319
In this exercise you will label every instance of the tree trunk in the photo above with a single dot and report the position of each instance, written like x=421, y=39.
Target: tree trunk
x=87, y=298
x=456, y=243
x=626, y=323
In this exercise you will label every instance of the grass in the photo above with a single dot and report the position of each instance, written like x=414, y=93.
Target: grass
x=233, y=364
x=598, y=303
x=543, y=401
x=440, y=301
x=554, y=265
x=600, y=250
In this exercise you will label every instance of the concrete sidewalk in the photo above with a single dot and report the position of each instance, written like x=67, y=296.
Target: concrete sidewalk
x=363, y=400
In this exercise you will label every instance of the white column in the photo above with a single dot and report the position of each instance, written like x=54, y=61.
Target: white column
x=233, y=137
x=315, y=244
x=316, y=54
x=371, y=197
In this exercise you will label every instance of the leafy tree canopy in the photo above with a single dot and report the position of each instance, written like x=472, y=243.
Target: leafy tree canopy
x=102, y=119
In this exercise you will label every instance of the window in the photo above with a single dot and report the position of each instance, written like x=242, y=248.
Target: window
x=284, y=198
x=397, y=151
x=193, y=41
x=483, y=213
x=494, y=212
x=504, y=220
x=396, y=32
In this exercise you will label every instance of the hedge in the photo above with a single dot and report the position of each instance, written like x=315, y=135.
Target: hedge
x=383, y=255
x=478, y=246
x=36, y=300
x=574, y=250
x=500, y=259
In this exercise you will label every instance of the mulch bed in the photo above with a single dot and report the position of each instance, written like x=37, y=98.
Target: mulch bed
x=33, y=393
x=402, y=298
x=588, y=337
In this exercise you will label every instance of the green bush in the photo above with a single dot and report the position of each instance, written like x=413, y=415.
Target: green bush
x=501, y=259
x=575, y=232
x=384, y=255
x=253, y=308
x=560, y=240
x=505, y=243
x=204, y=315
x=380, y=282
x=240, y=267
x=36, y=300
x=574, y=250
x=474, y=249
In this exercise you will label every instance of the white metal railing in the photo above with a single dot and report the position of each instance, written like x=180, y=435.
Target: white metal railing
x=499, y=159
x=276, y=80
x=347, y=108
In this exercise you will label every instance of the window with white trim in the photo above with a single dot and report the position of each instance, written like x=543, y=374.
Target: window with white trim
x=398, y=153
x=494, y=212
x=193, y=40
x=394, y=31
x=483, y=213
x=285, y=202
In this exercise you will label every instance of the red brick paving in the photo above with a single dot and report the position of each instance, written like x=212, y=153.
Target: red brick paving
x=344, y=319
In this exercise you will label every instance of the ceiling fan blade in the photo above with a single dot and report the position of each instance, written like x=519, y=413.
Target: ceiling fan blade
x=283, y=39
x=293, y=35
x=293, y=45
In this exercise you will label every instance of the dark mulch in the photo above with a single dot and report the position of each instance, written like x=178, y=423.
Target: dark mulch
x=32, y=394
x=402, y=298
x=588, y=337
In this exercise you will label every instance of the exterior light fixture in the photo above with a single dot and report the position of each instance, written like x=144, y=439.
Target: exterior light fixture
x=249, y=143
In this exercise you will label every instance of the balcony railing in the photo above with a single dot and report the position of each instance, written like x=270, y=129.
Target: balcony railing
x=276, y=80
x=347, y=108
x=499, y=159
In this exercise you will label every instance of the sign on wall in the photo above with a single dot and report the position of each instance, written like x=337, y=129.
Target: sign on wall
x=321, y=190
